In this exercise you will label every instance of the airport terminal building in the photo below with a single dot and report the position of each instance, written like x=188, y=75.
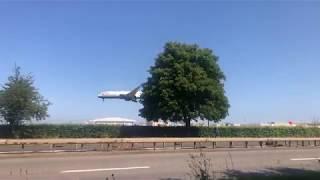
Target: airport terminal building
x=115, y=121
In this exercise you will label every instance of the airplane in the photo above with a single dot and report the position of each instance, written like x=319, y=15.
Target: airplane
x=126, y=95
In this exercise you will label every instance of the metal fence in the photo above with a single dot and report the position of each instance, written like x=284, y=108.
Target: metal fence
x=130, y=144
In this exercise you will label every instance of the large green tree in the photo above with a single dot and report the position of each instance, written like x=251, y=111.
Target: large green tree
x=186, y=83
x=20, y=101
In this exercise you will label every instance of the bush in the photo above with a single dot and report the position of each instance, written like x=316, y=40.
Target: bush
x=101, y=131
x=59, y=131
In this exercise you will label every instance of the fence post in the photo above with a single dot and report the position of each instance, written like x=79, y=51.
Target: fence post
x=163, y=145
x=51, y=147
x=194, y=145
x=302, y=143
x=154, y=146
x=22, y=146
x=315, y=143
x=289, y=142
x=174, y=145
x=213, y=145
x=132, y=144
x=261, y=143
x=230, y=144
x=246, y=144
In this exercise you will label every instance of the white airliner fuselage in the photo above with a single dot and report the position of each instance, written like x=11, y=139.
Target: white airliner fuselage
x=126, y=95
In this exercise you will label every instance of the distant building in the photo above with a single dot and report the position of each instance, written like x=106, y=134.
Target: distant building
x=227, y=124
x=115, y=121
x=164, y=123
x=279, y=124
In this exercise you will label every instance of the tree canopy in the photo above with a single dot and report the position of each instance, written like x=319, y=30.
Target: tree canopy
x=186, y=83
x=20, y=101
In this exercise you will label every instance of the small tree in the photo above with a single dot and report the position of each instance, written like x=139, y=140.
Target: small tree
x=186, y=84
x=20, y=101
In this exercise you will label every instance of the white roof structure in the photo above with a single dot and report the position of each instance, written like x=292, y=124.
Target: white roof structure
x=112, y=121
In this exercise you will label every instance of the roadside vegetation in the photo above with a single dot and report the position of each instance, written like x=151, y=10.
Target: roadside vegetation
x=186, y=83
x=20, y=100
x=101, y=131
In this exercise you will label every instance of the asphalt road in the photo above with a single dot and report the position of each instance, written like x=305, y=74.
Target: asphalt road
x=146, y=165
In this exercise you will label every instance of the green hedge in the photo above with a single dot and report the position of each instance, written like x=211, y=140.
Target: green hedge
x=59, y=131
x=99, y=131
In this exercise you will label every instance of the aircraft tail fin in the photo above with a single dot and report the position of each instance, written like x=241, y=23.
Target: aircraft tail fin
x=134, y=91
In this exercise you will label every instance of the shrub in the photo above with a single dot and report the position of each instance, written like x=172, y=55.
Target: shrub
x=101, y=131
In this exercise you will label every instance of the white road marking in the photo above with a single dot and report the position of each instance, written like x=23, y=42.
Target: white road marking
x=47, y=151
x=105, y=169
x=15, y=152
x=304, y=159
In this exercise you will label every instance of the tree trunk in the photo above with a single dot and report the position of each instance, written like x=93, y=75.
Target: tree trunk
x=187, y=122
x=11, y=131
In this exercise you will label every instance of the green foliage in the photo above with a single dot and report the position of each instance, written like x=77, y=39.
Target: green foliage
x=59, y=131
x=261, y=132
x=101, y=131
x=186, y=84
x=20, y=101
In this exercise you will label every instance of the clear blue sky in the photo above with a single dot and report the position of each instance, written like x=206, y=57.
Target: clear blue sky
x=270, y=53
